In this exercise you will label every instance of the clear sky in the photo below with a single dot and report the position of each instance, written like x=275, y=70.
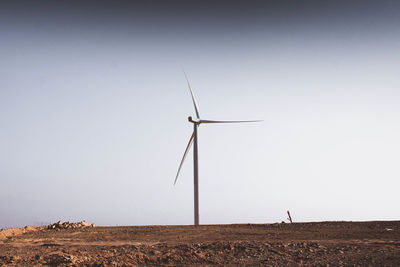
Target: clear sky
x=94, y=107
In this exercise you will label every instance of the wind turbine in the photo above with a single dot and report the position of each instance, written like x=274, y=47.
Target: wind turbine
x=193, y=139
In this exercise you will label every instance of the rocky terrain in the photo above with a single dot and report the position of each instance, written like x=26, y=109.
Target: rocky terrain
x=68, y=225
x=304, y=244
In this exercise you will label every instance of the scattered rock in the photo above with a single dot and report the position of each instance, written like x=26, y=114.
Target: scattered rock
x=57, y=259
x=70, y=225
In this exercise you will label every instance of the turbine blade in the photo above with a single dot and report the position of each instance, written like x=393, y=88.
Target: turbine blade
x=209, y=121
x=193, y=98
x=184, y=156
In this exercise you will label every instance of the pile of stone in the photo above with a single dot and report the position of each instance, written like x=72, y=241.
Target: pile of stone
x=70, y=225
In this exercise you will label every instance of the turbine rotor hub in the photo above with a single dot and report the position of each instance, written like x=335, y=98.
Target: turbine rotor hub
x=196, y=121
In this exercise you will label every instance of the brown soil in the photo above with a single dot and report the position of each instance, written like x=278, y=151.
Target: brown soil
x=317, y=244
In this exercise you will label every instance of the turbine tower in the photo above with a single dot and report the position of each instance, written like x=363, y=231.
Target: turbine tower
x=193, y=139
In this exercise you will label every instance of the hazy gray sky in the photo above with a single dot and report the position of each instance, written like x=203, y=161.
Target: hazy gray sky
x=94, y=107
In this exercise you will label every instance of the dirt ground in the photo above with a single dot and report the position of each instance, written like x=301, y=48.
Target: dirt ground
x=316, y=244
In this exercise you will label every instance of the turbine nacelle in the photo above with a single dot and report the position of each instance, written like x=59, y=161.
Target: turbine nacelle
x=190, y=119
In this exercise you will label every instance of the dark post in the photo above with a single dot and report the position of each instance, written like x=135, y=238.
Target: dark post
x=289, y=217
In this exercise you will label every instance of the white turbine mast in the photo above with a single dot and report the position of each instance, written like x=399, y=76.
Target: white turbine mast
x=193, y=139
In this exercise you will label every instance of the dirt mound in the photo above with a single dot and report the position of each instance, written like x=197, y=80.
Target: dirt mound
x=70, y=225
x=5, y=233
x=10, y=232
